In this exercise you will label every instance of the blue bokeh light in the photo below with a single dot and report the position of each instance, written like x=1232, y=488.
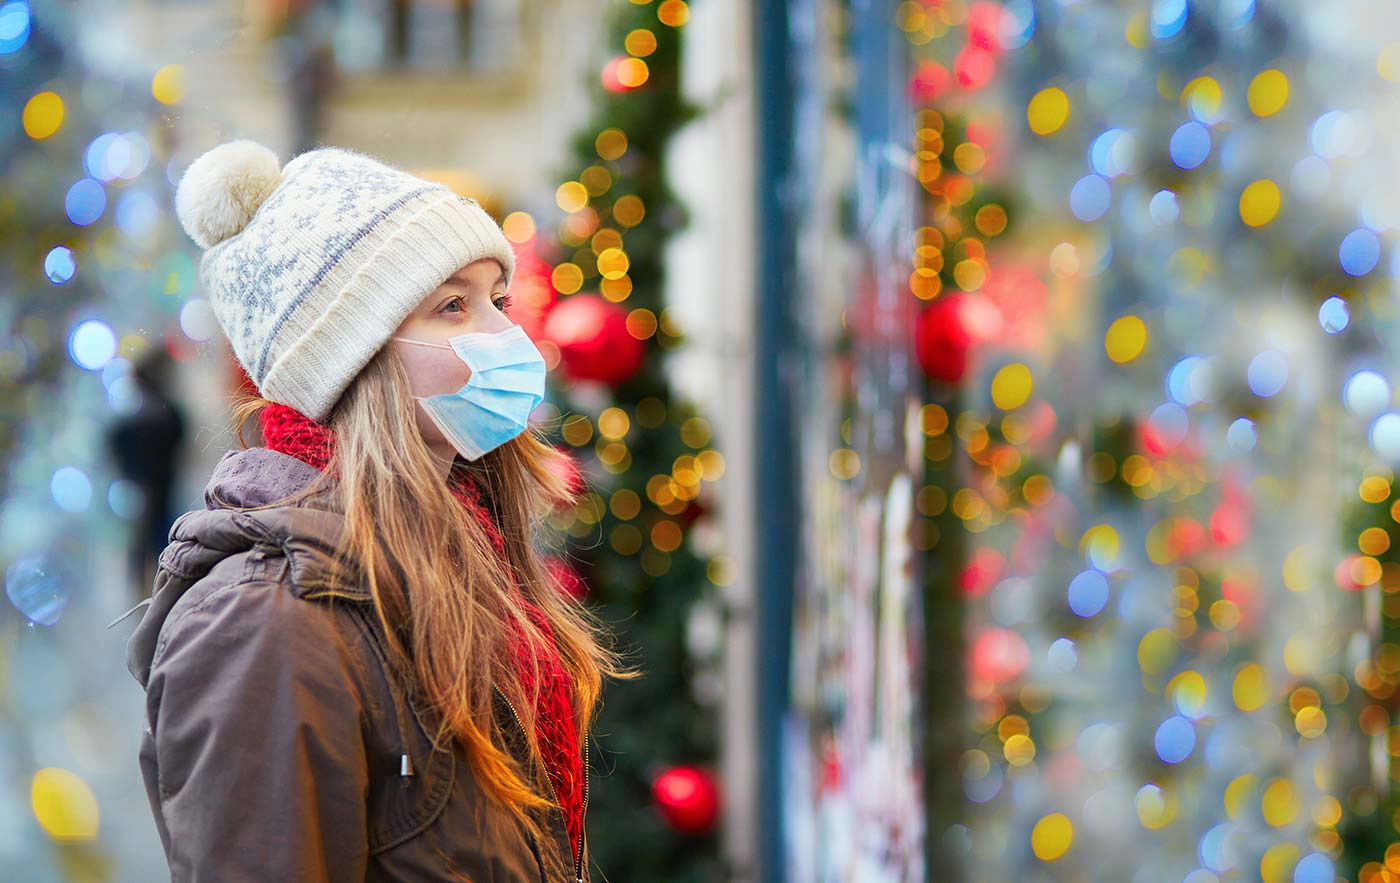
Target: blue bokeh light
x=108, y=156
x=1017, y=23
x=1170, y=423
x=1175, y=739
x=137, y=213
x=1366, y=393
x=1333, y=315
x=1267, y=373
x=1242, y=435
x=85, y=202
x=59, y=264
x=1164, y=208
x=36, y=589
x=1111, y=154
x=14, y=27
x=1190, y=145
x=1359, y=252
x=1063, y=655
x=1168, y=18
x=1236, y=13
x=1088, y=593
x=126, y=499
x=1089, y=198
x=1385, y=436
x=1314, y=868
x=71, y=489
x=92, y=344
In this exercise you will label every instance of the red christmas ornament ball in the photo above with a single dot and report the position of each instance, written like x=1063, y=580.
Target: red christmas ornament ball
x=687, y=797
x=593, y=340
x=948, y=329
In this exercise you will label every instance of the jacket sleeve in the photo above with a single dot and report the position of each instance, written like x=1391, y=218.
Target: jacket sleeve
x=255, y=716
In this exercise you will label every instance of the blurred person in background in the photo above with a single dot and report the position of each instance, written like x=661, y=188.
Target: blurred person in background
x=145, y=446
x=356, y=666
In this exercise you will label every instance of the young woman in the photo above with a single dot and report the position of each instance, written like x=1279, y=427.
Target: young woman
x=356, y=665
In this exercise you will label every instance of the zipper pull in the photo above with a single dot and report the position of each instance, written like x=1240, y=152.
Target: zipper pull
x=129, y=612
x=405, y=766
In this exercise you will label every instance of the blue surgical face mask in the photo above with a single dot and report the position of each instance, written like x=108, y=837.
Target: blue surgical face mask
x=494, y=406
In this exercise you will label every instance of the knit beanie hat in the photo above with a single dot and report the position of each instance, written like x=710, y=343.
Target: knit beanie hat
x=311, y=266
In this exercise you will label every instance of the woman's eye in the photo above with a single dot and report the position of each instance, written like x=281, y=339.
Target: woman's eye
x=502, y=302
x=456, y=301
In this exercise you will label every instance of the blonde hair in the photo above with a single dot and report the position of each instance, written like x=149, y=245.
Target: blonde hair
x=447, y=626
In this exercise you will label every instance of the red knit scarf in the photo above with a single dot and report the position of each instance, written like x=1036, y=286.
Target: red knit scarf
x=289, y=431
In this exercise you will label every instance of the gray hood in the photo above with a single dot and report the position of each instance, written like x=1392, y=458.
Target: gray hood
x=305, y=533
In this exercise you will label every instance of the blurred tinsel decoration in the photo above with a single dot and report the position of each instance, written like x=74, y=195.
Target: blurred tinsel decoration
x=1169, y=677
x=647, y=458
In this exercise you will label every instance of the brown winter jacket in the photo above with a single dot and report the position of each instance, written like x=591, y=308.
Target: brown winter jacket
x=275, y=747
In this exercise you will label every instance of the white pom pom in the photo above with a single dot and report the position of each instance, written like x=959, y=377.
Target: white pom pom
x=222, y=189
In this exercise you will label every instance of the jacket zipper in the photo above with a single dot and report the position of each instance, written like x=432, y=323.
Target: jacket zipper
x=583, y=811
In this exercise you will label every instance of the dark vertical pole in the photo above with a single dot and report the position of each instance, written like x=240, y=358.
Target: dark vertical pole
x=775, y=473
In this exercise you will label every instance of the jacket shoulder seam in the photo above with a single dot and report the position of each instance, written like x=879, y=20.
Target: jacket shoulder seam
x=213, y=594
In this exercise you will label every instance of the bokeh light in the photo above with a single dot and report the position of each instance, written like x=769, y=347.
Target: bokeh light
x=92, y=344
x=1267, y=373
x=85, y=202
x=14, y=26
x=59, y=264
x=1190, y=145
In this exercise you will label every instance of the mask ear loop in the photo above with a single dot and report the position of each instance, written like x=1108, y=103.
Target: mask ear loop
x=422, y=342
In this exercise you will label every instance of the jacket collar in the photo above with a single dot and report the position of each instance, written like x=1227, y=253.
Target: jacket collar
x=305, y=532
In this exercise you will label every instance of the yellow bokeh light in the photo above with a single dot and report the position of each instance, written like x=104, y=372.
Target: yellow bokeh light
x=1374, y=489
x=1277, y=863
x=571, y=196
x=1011, y=386
x=1310, y=722
x=844, y=464
x=613, y=263
x=641, y=323
x=1300, y=655
x=1155, y=807
x=1126, y=339
x=1203, y=95
x=1268, y=93
x=611, y=143
x=1327, y=812
x=629, y=210
x=1188, y=691
x=1279, y=803
x=1373, y=541
x=1100, y=546
x=63, y=804
x=1296, y=566
x=673, y=13
x=1019, y=750
x=1156, y=650
x=42, y=116
x=1388, y=63
x=632, y=72
x=1238, y=792
x=640, y=42
x=1047, y=111
x=566, y=278
x=168, y=84
x=1259, y=203
x=1051, y=837
x=519, y=227
x=1251, y=687
x=990, y=220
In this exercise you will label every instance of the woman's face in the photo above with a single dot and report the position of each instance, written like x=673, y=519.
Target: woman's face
x=472, y=299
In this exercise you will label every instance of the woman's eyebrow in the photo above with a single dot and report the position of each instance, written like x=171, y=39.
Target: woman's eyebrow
x=458, y=280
